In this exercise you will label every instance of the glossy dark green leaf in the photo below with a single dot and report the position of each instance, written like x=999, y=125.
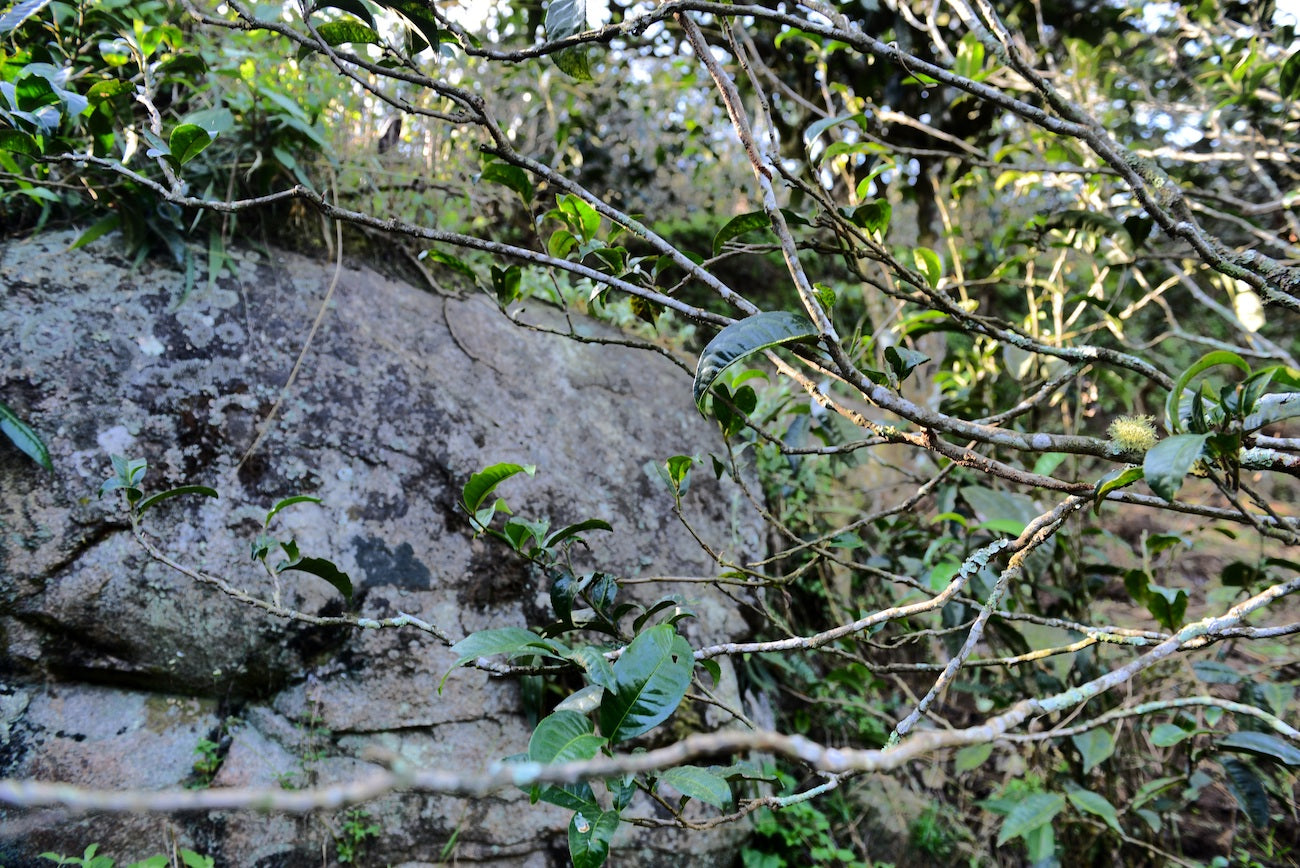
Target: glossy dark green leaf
x=873, y=216
x=511, y=177
x=742, y=339
x=699, y=783
x=1114, y=481
x=573, y=530
x=108, y=90
x=1175, y=400
x=506, y=282
x=421, y=18
x=562, y=737
x=1261, y=744
x=1288, y=80
x=26, y=439
x=187, y=142
x=1168, y=462
x=566, y=18
x=455, y=263
x=589, y=838
x=1166, y=605
x=324, y=569
x=653, y=675
x=15, y=15
x=596, y=666
x=359, y=8
x=19, y=142
x=501, y=640
x=902, y=361
x=100, y=228
x=159, y=497
x=342, y=32
x=739, y=225
x=34, y=91
x=1248, y=790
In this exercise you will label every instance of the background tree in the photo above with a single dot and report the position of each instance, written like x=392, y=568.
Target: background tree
x=997, y=303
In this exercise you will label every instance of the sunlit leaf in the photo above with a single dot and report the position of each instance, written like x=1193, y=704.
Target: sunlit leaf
x=566, y=18
x=187, y=142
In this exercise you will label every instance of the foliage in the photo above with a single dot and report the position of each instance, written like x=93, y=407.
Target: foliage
x=994, y=310
x=91, y=859
x=356, y=829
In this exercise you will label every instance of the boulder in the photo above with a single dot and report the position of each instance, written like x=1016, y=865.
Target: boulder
x=116, y=670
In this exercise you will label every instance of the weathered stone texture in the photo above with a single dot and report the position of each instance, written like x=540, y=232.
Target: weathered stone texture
x=112, y=666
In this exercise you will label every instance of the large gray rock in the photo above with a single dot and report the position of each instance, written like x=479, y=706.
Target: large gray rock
x=113, y=666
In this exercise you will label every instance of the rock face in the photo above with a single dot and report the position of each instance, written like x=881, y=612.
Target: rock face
x=114, y=669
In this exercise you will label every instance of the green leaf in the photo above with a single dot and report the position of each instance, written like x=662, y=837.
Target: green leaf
x=321, y=568
x=927, y=261
x=1167, y=463
x=15, y=15
x=739, y=225
x=343, y=31
x=509, y=176
x=566, y=18
x=195, y=860
x=1261, y=744
x=501, y=640
x=1114, y=481
x=971, y=758
x=574, y=529
x=506, y=282
x=1167, y=605
x=354, y=7
x=652, y=675
x=902, y=361
x=816, y=128
x=22, y=436
x=1248, y=790
x=1174, y=401
x=873, y=216
x=19, y=142
x=34, y=91
x=1170, y=734
x=288, y=501
x=699, y=783
x=1288, y=83
x=1097, y=805
x=101, y=228
x=562, y=737
x=596, y=666
x=420, y=16
x=174, y=492
x=589, y=838
x=1032, y=812
x=1094, y=746
x=455, y=263
x=483, y=483
x=187, y=142
x=742, y=339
